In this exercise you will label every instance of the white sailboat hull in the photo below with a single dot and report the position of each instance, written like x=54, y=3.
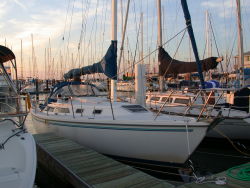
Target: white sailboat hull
x=146, y=141
x=18, y=158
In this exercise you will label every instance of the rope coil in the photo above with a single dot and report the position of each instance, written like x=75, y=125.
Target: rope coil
x=240, y=172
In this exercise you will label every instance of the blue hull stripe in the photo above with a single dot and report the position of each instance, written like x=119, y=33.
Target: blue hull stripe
x=111, y=128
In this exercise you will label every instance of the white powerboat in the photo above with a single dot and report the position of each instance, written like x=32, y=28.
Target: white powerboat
x=17, y=146
x=18, y=156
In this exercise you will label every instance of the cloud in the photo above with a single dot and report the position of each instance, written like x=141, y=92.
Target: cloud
x=3, y=8
x=20, y=4
x=224, y=8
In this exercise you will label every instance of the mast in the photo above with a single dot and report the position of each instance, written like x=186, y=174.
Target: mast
x=32, y=56
x=21, y=59
x=49, y=60
x=207, y=34
x=123, y=37
x=113, y=95
x=29, y=68
x=208, y=42
x=161, y=79
x=142, y=62
x=240, y=45
x=193, y=42
x=45, y=64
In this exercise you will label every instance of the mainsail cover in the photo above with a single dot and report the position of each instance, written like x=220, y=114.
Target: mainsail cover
x=168, y=65
x=107, y=65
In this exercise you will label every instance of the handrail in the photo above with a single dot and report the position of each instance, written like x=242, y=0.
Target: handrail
x=204, y=106
x=215, y=104
x=163, y=104
x=191, y=104
x=14, y=108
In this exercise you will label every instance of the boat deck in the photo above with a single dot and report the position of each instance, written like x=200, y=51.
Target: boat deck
x=83, y=167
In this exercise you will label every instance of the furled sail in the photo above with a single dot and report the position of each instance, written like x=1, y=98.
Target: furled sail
x=168, y=65
x=107, y=65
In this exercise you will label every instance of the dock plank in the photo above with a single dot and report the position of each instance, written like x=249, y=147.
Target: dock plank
x=83, y=167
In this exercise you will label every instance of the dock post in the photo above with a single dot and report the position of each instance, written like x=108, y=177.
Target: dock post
x=37, y=90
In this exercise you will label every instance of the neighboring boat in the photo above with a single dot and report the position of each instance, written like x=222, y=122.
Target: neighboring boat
x=100, y=85
x=124, y=86
x=17, y=146
x=191, y=103
x=187, y=103
x=4, y=87
x=17, y=155
x=31, y=89
x=235, y=128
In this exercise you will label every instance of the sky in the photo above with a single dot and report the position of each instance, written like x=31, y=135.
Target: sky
x=74, y=33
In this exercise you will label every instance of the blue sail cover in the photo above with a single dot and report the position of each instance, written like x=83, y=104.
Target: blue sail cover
x=107, y=65
x=192, y=39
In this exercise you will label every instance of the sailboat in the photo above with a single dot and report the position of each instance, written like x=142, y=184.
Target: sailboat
x=234, y=110
x=17, y=146
x=118, y=128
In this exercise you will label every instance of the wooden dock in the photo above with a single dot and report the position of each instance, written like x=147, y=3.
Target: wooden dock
x=78, y=166
x=83, y=167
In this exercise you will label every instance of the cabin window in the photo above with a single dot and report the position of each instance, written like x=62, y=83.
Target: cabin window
x=79, y=111
x=181, y=101
x=155, y=98
x=134, y=108
x=62, y=110
x=167, y=98
x=97, y=111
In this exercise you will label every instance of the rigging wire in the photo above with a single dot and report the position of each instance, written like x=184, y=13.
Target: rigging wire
x=85, y=31
x=175, y=53
x=123, y=37
x=146, y=56
x=225, y=30
x=244, y=6
x=71, y=18
x=231, y=53
x=91, y=32
x=137, y=45
x=104, y=28
x=137, y=30
x=65, y=22
x=215, y=40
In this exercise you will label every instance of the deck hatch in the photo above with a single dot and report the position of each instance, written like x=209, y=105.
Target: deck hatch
x=134, y=108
